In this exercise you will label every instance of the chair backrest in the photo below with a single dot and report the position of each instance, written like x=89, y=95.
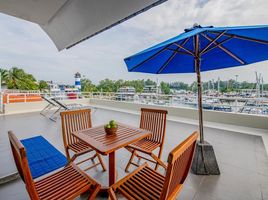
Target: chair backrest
x=179, y=163
x=20, y=157
x=154, y=121
x=72, y=121
x=48, y=100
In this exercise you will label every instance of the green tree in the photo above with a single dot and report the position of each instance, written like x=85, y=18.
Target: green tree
x=4, y=76
x=165, y=87
x=18, y=79
x=231, y=85
x=42, y=85
x=107, y=85
x=118, y=84
x=194, y=87
x=150, y=82
x=247, y=85
x=180, y=86
x=87, y=86
x=137, y=84
x=265, y=86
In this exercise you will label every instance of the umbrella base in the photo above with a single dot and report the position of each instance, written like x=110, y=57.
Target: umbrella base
x=204, y=161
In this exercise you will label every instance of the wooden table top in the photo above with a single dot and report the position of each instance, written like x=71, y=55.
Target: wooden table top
x=105, y=144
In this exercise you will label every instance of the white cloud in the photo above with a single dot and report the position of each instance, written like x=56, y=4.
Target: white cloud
x=25, y=45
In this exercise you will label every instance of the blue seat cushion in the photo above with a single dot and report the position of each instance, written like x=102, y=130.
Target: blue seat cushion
x=42, y=156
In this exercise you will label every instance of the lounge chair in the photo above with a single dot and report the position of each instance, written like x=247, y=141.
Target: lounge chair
x=154, y=121
x=48, y=108
x=67, y=183
x=147, y=183
x=63, y=107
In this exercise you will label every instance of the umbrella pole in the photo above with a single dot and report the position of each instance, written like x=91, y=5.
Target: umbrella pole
x=200, y=107
x=204, y=161
x=199, y=86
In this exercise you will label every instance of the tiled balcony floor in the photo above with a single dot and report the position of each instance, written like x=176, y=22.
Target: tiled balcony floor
x=242, y=158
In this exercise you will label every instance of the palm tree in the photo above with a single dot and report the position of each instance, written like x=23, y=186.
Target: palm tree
x=4, y=76
x=18, y=79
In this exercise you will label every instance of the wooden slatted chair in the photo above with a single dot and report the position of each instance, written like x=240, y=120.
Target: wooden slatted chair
x=68, y=183
x=72, y=121
x=154, y=121
x=148, y=184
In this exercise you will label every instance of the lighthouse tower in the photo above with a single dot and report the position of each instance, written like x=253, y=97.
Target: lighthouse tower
x=77, y=77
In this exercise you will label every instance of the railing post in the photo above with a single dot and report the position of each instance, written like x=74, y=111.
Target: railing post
x=25, y=98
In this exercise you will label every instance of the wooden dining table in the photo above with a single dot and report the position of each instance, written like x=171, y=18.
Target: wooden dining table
x=105, y=144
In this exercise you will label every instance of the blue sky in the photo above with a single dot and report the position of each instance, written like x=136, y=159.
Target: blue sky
x=25, y=45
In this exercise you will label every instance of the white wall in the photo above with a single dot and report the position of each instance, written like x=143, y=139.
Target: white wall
x=238, y=119
x=15, y=108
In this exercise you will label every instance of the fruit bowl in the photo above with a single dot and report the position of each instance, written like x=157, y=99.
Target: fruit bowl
x=110, y=131
x=111, y=128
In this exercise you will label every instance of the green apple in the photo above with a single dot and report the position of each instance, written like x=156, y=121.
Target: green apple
x=112, y=122
x=108, y=126
x=113, y=126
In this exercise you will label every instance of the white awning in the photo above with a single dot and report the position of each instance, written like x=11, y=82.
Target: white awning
x=68, y=22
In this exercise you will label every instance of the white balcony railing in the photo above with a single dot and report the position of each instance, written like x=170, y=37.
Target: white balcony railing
x=248, y=105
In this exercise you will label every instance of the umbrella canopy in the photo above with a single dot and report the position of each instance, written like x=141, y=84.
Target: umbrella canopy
x=68, y=22
x=203, y=49
x=220, y=47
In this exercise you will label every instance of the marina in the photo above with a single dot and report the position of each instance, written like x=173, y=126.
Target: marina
x=224, y=103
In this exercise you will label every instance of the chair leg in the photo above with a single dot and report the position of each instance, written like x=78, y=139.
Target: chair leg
x=93, y=195
x=55, y=115
x=159, y=156
x=67, y=154
x=71, y=160
x=156, y=166
x=101, y=162
x=160, y=162
x=112, y=195
x=93, y=157
x=46, y=108
x=130, y=160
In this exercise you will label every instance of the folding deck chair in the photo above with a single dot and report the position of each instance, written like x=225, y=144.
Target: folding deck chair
x=147, y=183
x=63, y=107
x=65, y=184
x=78, y=120
x=154, y=121
x=50, y=106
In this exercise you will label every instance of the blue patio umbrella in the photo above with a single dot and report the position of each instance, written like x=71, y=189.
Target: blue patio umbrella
x=203, y=49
